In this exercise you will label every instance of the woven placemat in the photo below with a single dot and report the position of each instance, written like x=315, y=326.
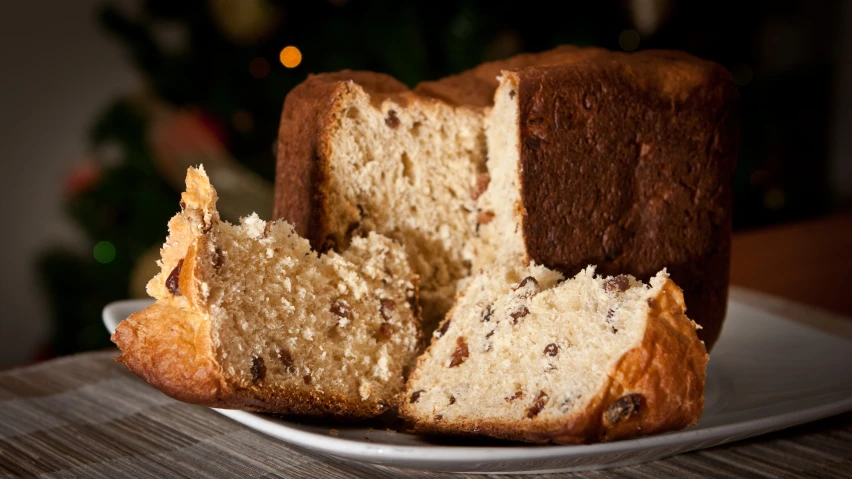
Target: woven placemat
x=87, y=416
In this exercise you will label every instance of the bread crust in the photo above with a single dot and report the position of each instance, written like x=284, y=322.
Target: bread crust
x=657, y=197
x=303, y=147
x=666, y=373
x=170, y=346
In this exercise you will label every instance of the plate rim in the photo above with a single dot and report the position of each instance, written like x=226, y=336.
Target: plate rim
x=438, y=457
x=468, y=454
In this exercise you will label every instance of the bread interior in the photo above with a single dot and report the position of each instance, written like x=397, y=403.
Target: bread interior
x=409, y=168
x=541, y=350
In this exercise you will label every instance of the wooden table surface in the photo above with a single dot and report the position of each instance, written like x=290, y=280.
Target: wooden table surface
x=809, y=262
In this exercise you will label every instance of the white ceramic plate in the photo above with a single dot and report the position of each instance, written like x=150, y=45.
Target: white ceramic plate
x=766, y=373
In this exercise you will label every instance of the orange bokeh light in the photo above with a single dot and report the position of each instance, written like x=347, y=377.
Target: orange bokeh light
x=290, y=57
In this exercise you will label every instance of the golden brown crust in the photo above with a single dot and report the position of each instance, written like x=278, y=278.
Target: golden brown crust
x=658, y=197
x=170, y=346
x=661, y=381
x=303, y=149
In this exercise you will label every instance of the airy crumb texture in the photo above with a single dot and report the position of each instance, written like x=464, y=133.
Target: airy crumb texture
x=500, y=208
x=407, y=168
x=279, y=327
x=526, y=355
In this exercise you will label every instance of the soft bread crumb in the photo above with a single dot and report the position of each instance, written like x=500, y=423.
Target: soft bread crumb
x=523, y=345
x=287, y=320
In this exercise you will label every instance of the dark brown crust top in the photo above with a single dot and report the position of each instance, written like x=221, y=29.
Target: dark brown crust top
x=627, y=163
x=303, y=149
x=665, y=373
x=475, y=87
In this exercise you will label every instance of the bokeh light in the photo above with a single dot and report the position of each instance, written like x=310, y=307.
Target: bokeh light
x=242, y=120
x=290, y=57
x=104, y=252
x=628, y=40
x=741, y=74
x=259, y=68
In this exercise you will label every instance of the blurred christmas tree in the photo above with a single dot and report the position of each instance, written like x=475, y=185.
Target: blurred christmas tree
x=216, y=74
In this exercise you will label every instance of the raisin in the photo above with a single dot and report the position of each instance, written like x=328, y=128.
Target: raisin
x=387, y=308
x=352, y=229
x=532, y=143
x=517, y=395
x=460, y=354
x=520, y=313
x=341, y=309
x=329, y=244
x=258, y=369
x=182, y=205
x=307, y=378
x=528, y=287
x=218, y=258
x=286, y=358
x=551, y=349
x=490, y=334
x=623, y=409
x=482, y=181
x=609, y=314
x=415, y=396
x=443, y=329
x=618, y=283
x=537, y=405
x=392, y=120
x=485, y=217
x=385, y=331
x=511, y=93
x=412, y=303
x=173, y=281
x=452, y=399
x=486, y=313
x=568, y=403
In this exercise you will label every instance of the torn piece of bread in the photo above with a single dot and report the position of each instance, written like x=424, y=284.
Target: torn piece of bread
x=525, y=355
x=248, y=316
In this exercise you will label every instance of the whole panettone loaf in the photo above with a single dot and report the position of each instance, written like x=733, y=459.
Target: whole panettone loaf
x=248, y=316
x=588, y=157
x=526, y=355
x=359, y=151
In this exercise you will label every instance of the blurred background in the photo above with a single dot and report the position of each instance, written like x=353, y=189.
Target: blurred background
x=105, y=103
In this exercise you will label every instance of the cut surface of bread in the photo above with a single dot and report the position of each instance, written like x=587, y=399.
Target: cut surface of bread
x=621, y=160
x=249, y=316
x=593, y=157
x=386, y=160
x=525, y=355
